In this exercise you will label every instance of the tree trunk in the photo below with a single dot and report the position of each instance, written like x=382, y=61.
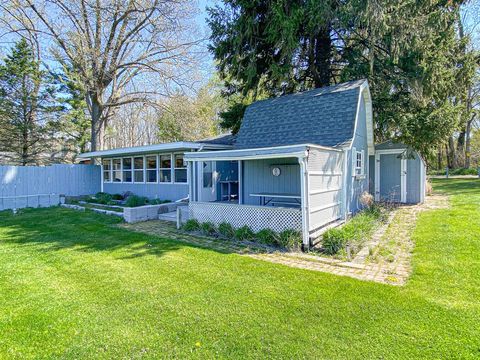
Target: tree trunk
x=468, y=147
x=323, y=50
x=453, y=161
x=97, y=124
x=439, y=159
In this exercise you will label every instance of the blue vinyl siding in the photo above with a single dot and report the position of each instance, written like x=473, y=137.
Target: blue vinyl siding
x=355, y=187
x=171, y=192
x=413, y=180
x=257, y=177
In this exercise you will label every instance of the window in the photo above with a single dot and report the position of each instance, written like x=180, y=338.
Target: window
x=151, y=168
x=107, y=173
x=117, y=170
x=207, y=174
x=180, y=169
x=127, y=169
x=138, y=169
x=165, y=171
x=359, y=163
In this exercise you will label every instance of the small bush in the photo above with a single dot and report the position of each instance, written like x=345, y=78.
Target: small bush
x=134, y=201
x=428, y=188
x=191, y=225
x=226, y=230
x=290, y=239
x=157, y=201
x=244, y=233
x=366, y=199
x=334, y=240
x=208, y=228
x=101, y=198
x=267, y=236
x=117, y=197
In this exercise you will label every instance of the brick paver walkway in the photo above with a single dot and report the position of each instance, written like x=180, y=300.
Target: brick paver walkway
x=365, y=266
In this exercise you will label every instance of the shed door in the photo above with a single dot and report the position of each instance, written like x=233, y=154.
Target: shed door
x=392, y=180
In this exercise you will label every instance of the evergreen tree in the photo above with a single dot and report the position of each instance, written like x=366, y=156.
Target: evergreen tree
x=26, y=107
x=409, y=52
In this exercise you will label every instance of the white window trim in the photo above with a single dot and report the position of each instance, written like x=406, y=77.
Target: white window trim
x=362, y=163
x=157, y=164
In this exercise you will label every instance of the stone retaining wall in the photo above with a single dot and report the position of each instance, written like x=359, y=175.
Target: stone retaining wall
x=147, y=212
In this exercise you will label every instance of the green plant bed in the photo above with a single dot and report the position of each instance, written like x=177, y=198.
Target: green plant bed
x=348, y=239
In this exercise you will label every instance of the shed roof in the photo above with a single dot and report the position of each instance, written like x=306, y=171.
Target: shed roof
x=324, y=116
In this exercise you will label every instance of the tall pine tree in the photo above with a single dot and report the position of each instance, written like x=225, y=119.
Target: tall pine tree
x=26, y=107
x=408, y=50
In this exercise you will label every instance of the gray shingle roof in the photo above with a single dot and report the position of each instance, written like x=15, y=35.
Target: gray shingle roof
x=222, y=139
x=323, y=116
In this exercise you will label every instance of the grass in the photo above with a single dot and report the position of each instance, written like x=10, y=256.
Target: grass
x=72, y=285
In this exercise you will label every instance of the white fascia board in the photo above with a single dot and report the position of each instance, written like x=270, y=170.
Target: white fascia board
x=182, y=145
x=299, y=151
x=365, y=94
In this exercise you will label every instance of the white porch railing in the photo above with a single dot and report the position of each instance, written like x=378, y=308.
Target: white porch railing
x=256, y=217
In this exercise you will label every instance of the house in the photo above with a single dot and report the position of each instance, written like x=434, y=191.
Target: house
x=299, y=161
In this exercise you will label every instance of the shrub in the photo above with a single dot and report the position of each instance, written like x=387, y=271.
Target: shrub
x=208, y=228
x=117, y=197
x=226, y=230
x=267, y=236
x=334, y=240
x=428, y=187
x=366, y=199
x=191, y=225
x=157, y=201
x=102, y=198
x=290, y=239
x=244, y=233
x=134, y=201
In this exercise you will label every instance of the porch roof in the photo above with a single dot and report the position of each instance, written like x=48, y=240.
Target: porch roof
x=257, y=153
x=174, y=146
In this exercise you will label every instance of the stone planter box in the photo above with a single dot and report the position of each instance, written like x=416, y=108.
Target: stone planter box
x=147, y=212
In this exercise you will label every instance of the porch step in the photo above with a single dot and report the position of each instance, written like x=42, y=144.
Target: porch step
x=170, y=216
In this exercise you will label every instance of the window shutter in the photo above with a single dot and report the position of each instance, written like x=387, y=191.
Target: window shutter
x=354, y=161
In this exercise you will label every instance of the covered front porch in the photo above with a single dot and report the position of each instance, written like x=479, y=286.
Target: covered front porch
x=260, y=188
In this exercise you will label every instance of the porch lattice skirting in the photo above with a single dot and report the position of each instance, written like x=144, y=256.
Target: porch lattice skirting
x=256, y=217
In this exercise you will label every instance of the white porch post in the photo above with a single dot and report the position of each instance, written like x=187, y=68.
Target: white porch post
x=240, y=182
x=304, y=202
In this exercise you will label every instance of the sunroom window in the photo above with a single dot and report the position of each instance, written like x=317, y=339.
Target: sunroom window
x=117, y=170
x=165, y=171
x=127, y=169
x=138, y=169
x=180, y=169
x=107, y=170
x=151, y=168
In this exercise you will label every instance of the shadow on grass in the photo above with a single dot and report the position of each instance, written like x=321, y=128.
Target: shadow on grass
x=456, y=186
x=56, y=229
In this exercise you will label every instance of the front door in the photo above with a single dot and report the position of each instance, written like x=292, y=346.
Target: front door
x=207, y=181
x=392, y=179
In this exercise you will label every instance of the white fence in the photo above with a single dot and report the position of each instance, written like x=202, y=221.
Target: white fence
x=256, y=217
x=34, y=186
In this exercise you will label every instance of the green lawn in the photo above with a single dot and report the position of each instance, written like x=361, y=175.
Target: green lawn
x=74, y=286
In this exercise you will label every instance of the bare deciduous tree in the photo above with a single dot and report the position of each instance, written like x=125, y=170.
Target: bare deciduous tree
x=121, y=51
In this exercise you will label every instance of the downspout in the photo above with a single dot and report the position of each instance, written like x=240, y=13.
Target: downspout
x=304, y=193
x=101, y=177
x=345, y=177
